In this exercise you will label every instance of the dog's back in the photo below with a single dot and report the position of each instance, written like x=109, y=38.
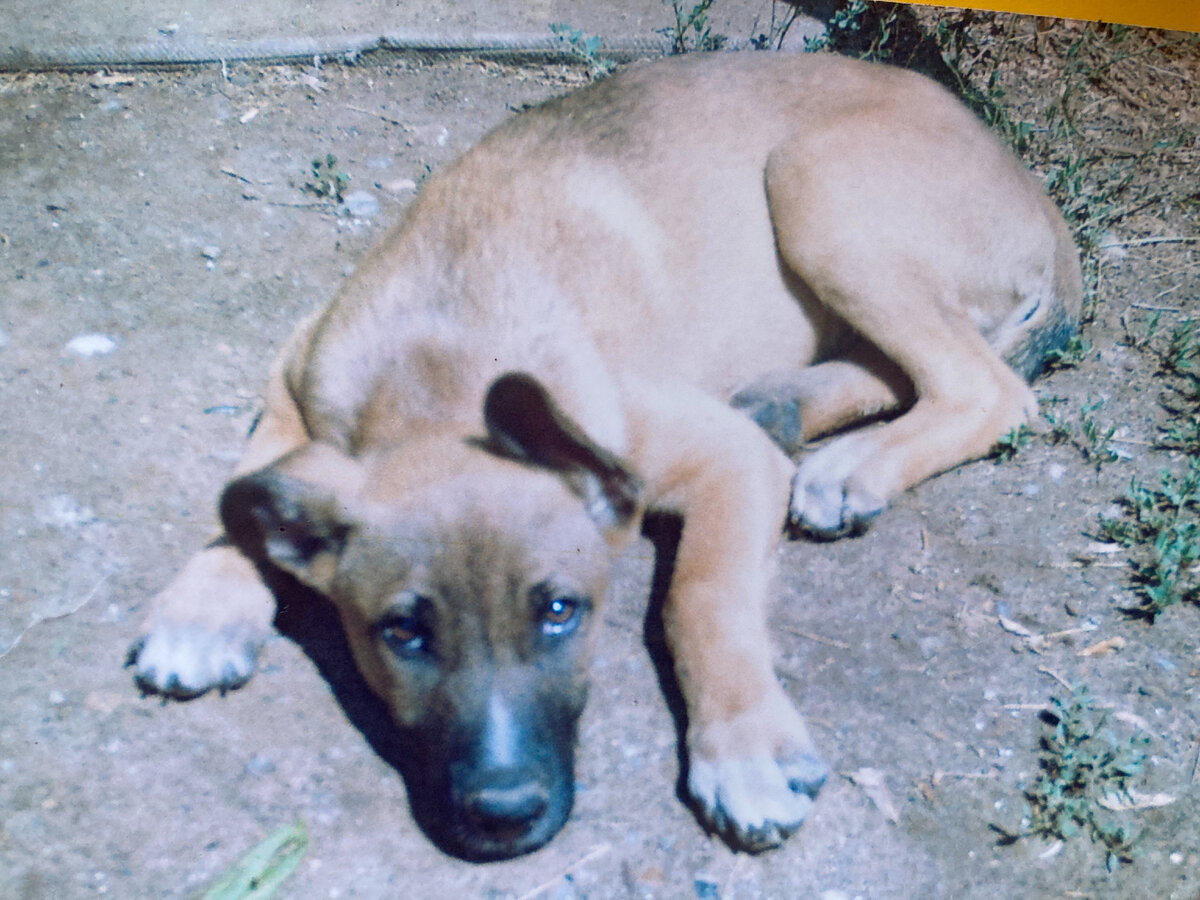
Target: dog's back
x=628, y=227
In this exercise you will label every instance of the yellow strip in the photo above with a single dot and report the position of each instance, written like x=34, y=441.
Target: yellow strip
x=1180, y=15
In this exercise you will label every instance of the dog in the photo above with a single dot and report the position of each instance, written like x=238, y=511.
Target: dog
x=649, y=295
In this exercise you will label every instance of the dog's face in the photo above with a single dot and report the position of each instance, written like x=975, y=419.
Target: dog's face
x=468, y=577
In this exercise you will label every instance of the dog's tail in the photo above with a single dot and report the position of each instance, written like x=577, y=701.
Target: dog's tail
x=1046, y=321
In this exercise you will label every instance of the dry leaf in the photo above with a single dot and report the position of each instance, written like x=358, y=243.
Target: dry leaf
x=1134, y=800
x=1015, y=628
x=1053, y=850
x=875, y=787
x=1132, y=719
x=1108, y=645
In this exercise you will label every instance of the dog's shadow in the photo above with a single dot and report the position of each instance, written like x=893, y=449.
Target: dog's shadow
x=310, y=620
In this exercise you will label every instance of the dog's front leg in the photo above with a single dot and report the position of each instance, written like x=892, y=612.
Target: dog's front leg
x=752, y=768
x=204, y=630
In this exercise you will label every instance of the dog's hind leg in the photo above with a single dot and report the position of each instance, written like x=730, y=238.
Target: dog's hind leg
x=919, y=242
x=204, y=630
x=752, y=767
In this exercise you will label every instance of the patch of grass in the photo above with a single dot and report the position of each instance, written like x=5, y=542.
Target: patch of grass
x=584, y=49
x=848, y=19
x=777, y=27
x=1083, y=431
x=1081, y=768
x=884, y=32
x=1069, y=355
x=326, y=179
x=1016, y=440
x=1095, y=439
x=1161, y=526
x=1179, y=363
x=1175, y=354
x=690, y=32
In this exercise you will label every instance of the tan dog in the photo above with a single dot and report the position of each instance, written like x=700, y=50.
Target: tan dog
x=548, y=346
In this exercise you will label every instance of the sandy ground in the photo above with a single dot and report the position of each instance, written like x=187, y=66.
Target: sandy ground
x=165, y=213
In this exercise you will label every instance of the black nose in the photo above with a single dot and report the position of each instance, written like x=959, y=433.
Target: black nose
x=506, y=807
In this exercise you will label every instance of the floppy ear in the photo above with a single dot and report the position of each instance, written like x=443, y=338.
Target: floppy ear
x=292, y=513
x=525, y=423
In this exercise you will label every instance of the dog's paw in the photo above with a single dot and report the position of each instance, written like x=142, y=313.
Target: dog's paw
x=829, y=497
x=185, y=660
x=755, y=803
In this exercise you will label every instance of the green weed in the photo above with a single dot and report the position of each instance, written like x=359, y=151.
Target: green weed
x=1161, y=526
x=777, y=27
x=1013, y=442
x=1069, y=355
x=691, y=32
x=1081, y=765
x=1095, y=440
x=585, y=50
x=326, y=179
x=1083, y=431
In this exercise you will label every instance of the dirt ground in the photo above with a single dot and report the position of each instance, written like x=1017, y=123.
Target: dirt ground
x=165, y=212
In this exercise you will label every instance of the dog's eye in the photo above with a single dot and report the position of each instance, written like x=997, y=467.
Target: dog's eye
x=560, y=613
x=405, y=635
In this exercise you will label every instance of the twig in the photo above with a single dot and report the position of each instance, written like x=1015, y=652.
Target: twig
x=1142, y=242
x=62, y=615
x=1178, y=75
x=586, y=858
x=1196, y=762
x=1046, y=670
x=841, y=645
x=367, y=112
x=232, y=174
x=1152, y=308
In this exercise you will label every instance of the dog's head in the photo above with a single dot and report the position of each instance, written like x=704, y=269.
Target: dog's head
x=468, y=576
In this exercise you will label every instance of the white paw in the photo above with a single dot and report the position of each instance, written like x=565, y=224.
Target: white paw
x=186, y=659
x=756, y=802
x=828, y=499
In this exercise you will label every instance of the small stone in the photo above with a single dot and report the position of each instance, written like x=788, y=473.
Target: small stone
x=432, y=134
x=361, y=204
x=929, y=646
x=64, y=511
x=399, y=186
x=260, y=766
x=91, y=345
x=212, y=252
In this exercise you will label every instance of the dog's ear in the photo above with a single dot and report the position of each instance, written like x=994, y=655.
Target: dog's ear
x=293, y=513
x=525, y=423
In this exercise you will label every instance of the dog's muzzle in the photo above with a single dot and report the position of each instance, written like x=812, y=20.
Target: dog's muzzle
x=502, y=788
